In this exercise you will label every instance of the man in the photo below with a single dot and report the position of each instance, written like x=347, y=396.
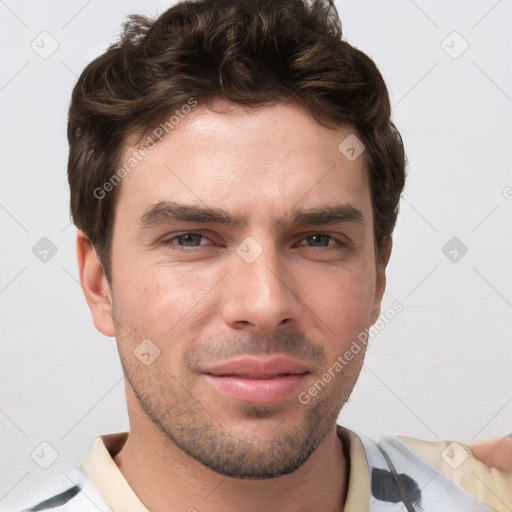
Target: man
x=235, y=178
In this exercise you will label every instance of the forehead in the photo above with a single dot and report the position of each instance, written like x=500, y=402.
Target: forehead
x=257, y=160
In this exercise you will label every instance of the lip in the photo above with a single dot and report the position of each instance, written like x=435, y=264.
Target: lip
x=257, y=367
x=257, y=380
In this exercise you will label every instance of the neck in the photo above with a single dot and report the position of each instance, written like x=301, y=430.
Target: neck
x=166, y=479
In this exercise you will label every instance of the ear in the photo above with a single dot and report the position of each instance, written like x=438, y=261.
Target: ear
x=380, y=284
x=95, y=285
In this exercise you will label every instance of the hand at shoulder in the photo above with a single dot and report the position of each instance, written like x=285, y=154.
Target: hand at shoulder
x=495, y=453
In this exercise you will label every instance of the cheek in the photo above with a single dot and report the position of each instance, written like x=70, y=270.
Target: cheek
x=343, y=298
x=164, y=303
x=343, y=301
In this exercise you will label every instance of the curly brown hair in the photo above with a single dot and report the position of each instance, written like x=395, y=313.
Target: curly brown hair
x=252, y=52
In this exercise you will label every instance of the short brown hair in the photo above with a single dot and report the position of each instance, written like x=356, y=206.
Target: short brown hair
x=252, y=52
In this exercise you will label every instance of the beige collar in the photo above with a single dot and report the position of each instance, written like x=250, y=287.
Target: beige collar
x=120, y=497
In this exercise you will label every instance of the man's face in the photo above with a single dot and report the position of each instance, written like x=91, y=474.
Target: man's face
x=248, y=315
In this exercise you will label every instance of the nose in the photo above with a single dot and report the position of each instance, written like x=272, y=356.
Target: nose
x=261, y=294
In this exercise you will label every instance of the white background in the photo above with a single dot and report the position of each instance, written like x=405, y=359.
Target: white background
x=440, y=370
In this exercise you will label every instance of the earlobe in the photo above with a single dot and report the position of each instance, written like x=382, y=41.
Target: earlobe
x=95, y=285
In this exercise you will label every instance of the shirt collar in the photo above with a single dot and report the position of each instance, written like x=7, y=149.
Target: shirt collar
x=120, y=497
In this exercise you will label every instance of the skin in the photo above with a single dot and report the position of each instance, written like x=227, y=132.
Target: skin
x=496, y=453
x=189, y=444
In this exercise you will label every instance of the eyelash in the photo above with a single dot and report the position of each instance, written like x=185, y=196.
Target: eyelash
x=168, y=242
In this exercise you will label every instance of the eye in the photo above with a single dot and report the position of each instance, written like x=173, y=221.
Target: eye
x=184, y=240
x=190, y=241
x=322, y=240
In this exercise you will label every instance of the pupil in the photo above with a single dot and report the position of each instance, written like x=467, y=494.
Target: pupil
x=189, y=237
x=317, y=238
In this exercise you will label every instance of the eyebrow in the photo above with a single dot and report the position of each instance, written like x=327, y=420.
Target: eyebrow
x=166, y=212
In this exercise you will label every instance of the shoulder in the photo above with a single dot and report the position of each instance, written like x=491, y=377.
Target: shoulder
x=484, y=470
x=450, y=456
x=71, y=491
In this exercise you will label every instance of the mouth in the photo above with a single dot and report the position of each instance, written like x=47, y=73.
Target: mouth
x=257, y=380
x=254, y=376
